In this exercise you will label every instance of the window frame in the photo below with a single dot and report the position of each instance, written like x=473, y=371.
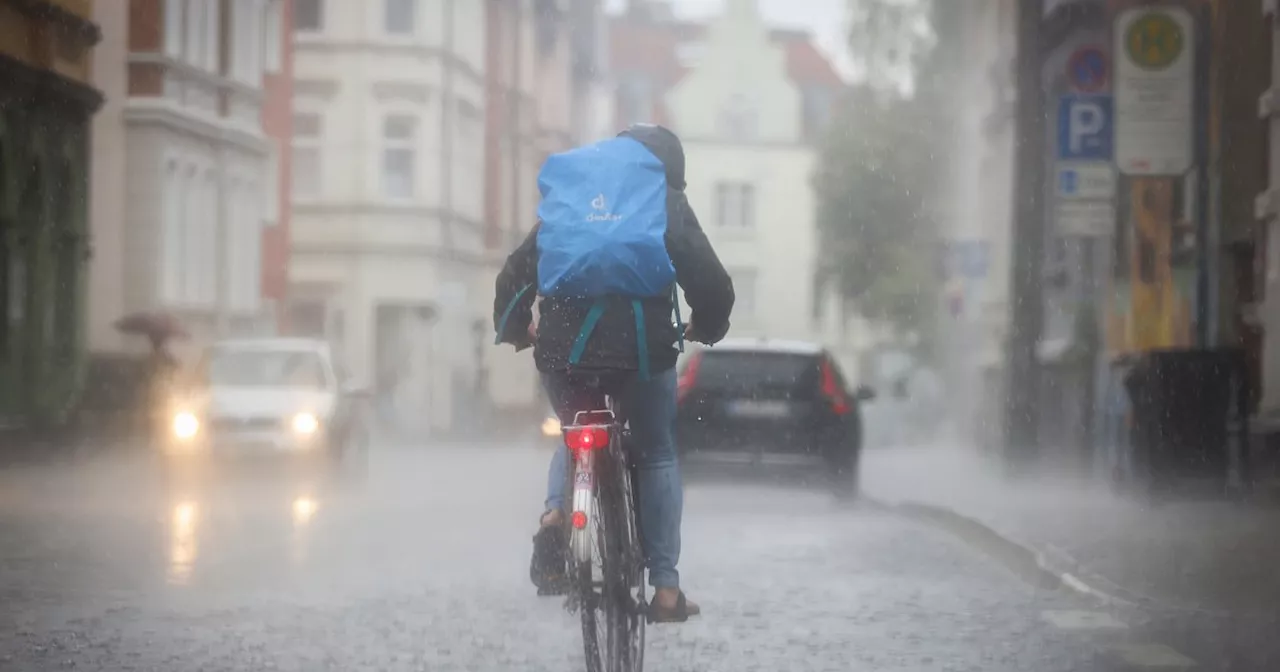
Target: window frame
x=320, y=11
x=312, y=143
x=175, y=28
x=273, y=38
x=735, y=206
x=389, y=146
x=410, y=27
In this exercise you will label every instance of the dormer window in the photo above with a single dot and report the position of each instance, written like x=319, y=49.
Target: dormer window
x=739, y=118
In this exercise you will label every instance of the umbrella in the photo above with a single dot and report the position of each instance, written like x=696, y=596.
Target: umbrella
x=156, y=326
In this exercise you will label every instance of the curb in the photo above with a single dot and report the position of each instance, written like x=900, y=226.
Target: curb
x=1049, y=568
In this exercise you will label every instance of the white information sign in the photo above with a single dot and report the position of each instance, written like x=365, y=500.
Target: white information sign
x=1085, y=218
x=1154, y=86
x=1086, y=181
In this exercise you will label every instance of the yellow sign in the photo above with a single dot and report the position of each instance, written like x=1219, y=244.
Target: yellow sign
x=1154, y=41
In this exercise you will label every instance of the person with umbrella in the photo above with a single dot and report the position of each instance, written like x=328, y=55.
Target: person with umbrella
x=161, y=367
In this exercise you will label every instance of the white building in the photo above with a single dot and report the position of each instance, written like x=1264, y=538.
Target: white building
x=747, y=101
x=387, y=190
x=181, y=188
x=418, y=133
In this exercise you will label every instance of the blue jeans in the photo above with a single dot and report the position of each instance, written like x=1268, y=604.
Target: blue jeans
x=650, y=407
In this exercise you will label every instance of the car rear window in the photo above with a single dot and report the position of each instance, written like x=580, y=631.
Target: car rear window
x=766, y=369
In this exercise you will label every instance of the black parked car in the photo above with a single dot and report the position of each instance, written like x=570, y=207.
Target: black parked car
x=764, y=403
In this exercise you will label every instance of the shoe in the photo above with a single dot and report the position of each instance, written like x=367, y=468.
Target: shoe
x=681, y=612
x=548, y=568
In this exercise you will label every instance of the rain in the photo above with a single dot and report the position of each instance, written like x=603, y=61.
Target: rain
x=611, y=335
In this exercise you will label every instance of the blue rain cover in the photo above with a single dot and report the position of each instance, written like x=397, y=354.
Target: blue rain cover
x=604, y=221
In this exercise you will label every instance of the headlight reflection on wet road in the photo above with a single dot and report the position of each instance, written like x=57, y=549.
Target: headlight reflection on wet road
x=182, y=542
x=304, y=509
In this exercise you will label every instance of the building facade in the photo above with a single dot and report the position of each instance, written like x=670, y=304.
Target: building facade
x=185, y=181
x=749, y=103
x=46, y=107
x=418, y=131
x=974, y=210
x=197, y=163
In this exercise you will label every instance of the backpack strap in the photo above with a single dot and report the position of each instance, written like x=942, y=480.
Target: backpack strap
x=506, y=314
x=675, y=302
x=588, y=326
x=642, y=340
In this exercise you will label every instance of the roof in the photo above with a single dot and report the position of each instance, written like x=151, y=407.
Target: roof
x=767, y=345
x=652, y=47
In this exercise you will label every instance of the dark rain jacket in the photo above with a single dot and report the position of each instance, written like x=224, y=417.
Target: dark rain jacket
x=708, y=290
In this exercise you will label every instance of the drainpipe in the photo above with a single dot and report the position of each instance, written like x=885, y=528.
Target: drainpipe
x=514, y=100
x=448, y=110
x=492, y=126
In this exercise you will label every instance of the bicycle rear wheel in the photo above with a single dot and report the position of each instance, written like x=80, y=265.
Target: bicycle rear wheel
x=611, y=588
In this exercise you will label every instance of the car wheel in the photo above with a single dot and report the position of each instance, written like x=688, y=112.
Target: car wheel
x=843, y=474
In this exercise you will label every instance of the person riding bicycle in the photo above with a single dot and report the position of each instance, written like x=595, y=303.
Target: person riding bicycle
x=632, y=341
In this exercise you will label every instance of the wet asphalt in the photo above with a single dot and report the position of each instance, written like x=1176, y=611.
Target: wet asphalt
x=118, y=564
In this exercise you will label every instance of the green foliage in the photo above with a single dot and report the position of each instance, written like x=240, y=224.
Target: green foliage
x=880, y=170
x=874, y=174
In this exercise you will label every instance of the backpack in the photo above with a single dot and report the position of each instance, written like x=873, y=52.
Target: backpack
x=603, y=232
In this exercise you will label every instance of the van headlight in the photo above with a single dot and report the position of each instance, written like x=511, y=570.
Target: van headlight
x=306, y=423
x=185, y=425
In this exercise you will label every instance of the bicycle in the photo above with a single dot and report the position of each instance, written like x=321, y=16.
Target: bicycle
x=606, y=558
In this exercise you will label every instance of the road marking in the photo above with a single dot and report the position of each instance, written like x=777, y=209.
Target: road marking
x=1082, y=620
x=1153, y=656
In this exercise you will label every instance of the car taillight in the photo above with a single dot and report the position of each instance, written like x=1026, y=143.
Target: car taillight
x=586, y=438
x=688, y=377
x=832, y=391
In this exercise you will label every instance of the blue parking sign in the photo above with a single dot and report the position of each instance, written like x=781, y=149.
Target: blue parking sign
x=1085, y=129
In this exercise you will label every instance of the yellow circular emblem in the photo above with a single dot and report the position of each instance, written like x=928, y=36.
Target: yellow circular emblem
x=1154, y=41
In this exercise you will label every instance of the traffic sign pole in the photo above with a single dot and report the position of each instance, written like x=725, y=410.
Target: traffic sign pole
x=1021, y=420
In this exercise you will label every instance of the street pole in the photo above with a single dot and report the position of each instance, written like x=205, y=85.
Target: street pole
x=1022, y=391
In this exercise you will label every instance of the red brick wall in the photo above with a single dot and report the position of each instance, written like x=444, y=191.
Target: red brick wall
x=277, y=124
x=146, y=33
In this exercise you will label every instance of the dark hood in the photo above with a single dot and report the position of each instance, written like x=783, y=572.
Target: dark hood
x=665, y=145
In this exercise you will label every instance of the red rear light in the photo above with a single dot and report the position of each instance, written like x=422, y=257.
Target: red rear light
x=586, y=438
x=579, y=520
x=832, y=391
x=688, y=377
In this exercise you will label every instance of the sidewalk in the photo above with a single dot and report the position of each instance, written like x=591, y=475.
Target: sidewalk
x=1209, y=556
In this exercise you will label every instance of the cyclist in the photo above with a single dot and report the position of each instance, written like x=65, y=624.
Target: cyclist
x=612, y=353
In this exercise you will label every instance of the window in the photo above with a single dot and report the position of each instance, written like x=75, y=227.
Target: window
x=400, y=16
x=305, y=162
x=634, y=103
x=308, y=16
x=744, y=291
x=212, y=36
x=192, y=223
x=739, y=119
x=816, y=111
x=398, y=133
x=735, y=206
x=273, y=37
x=174, y=27
x=171, y=282
x=246, y=40
x=194, y=52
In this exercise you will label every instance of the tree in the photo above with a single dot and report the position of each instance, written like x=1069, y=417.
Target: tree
x=873, y=218
x=880, y=167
